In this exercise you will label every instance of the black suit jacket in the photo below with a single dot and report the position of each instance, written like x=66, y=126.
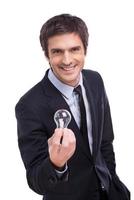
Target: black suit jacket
x=35, y=112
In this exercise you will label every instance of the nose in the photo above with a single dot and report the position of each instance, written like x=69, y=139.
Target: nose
x=67, y=58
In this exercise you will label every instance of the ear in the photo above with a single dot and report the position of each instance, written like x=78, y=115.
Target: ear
x=50, y=65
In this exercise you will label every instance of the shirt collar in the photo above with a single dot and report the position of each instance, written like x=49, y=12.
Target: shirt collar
x=65, y=89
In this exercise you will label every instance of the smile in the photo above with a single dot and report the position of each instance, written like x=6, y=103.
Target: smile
x=68, y=68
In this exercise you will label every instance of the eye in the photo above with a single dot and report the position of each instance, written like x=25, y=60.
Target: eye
x=56, y=51
x=75, y=49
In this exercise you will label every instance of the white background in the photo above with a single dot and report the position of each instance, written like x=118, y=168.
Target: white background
x=22, y=64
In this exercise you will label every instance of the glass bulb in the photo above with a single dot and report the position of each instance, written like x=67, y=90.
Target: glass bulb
x=62, y=118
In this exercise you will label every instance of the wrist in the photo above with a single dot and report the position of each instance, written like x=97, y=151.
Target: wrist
x=59, y=168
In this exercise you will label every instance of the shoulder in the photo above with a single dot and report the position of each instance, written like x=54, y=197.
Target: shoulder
x=35, y=93
x=31, y=94
x=93, y=77
x=33, y=97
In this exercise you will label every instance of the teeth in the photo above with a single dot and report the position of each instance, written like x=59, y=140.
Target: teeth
x=68, y=68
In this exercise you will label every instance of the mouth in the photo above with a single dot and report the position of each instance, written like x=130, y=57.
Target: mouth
x=68, y=68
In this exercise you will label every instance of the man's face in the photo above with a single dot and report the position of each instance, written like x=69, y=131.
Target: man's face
x=66, y=57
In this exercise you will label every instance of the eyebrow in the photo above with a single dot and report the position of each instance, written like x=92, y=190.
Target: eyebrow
x=57, y=49
x=60, y=49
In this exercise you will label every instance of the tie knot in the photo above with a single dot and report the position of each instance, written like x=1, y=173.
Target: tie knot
x=78, y=90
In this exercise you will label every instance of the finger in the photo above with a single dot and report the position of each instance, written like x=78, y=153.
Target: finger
x=68, y=145
x=50, y=141
x=55, y=148
x=68, y=137
x=57, y=136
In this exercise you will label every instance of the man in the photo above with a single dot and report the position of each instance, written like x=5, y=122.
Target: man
x=77, y=162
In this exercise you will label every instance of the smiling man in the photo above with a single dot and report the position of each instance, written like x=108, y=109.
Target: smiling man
x=78, y=162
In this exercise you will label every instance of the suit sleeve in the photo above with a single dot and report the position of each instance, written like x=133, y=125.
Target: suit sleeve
x=32, y=140
x=108, y=150
x=108, y=137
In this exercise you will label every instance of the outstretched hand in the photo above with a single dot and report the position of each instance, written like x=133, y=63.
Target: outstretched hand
x=61, y=146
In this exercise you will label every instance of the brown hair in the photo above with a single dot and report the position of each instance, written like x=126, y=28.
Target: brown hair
x=61, y=24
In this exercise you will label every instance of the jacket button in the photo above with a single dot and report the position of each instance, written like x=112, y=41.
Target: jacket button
x=52, y=179
x=102, y=187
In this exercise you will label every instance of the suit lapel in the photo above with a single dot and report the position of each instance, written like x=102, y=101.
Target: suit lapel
x=54, y=97
x=91, y=101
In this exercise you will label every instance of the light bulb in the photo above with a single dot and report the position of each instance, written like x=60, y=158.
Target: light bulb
x=62, y=118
